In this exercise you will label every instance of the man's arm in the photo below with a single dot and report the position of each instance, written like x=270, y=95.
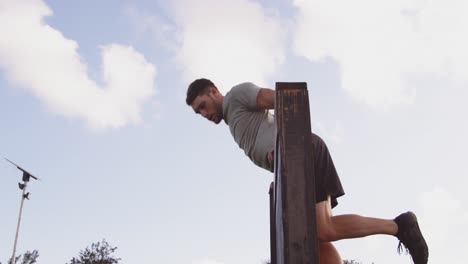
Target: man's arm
x=266, y=99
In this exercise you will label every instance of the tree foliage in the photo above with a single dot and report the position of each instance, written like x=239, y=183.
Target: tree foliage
x=99, y=253
x=29, y=257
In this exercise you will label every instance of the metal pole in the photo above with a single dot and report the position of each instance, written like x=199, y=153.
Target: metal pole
x=271, y=192
x=13, y=258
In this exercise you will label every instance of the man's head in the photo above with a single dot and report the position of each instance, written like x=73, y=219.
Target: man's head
x=205, y=99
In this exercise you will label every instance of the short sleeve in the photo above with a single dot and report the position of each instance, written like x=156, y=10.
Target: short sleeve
x=245, y=94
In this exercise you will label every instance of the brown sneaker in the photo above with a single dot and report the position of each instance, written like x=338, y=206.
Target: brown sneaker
x=411, y=238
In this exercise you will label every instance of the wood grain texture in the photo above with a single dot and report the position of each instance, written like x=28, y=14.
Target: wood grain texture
x=294, y=195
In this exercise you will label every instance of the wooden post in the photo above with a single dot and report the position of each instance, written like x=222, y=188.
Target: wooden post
x=294, y=195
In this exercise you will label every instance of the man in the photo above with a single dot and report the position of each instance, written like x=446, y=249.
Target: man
x=245, y=110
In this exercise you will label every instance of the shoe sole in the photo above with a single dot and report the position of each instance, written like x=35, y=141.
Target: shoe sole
x=415, y=219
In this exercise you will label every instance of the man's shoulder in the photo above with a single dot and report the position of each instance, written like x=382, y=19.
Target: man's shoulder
x=243, y=85
x=243, y=88
x=240, y=93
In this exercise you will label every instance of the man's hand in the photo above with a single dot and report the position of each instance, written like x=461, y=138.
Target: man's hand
x=271, y=156
x=266, y=99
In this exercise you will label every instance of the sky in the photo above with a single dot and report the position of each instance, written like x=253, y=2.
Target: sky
x=92, y=101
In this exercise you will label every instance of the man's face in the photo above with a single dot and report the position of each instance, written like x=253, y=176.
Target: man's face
x=207, y=106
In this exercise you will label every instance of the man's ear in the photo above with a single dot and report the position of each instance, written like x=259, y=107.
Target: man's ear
x=212, y=90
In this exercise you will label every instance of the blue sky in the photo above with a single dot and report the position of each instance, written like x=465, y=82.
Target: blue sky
x=92, y=100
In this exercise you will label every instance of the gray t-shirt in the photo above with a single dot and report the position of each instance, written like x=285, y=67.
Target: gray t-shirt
x=252, y=129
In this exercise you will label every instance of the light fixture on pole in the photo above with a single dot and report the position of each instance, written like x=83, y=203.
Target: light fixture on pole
x=26, y=177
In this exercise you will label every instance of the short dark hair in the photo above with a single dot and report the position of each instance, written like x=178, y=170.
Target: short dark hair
x=198, y=87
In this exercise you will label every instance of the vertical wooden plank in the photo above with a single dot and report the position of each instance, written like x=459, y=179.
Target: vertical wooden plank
x=296, y=233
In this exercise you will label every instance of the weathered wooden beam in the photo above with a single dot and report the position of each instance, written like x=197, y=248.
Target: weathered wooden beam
x=294, y=196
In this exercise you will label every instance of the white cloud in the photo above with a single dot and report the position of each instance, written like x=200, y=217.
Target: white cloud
x=228, y=41
x=334, y=133
x=379, y=44
x=207, y=261
x=152, y=26
x=442, y=217
x=443, y=221
x=39, y=58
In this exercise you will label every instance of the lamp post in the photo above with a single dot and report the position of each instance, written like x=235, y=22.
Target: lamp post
x=25, y=195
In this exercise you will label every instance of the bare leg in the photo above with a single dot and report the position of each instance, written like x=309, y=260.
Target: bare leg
x=332, y=228
x=353, y=226
x=329, y=254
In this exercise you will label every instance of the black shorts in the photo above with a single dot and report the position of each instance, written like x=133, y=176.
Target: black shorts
x=327, y=182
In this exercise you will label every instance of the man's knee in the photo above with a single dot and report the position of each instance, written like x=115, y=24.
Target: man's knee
x=326, y=232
